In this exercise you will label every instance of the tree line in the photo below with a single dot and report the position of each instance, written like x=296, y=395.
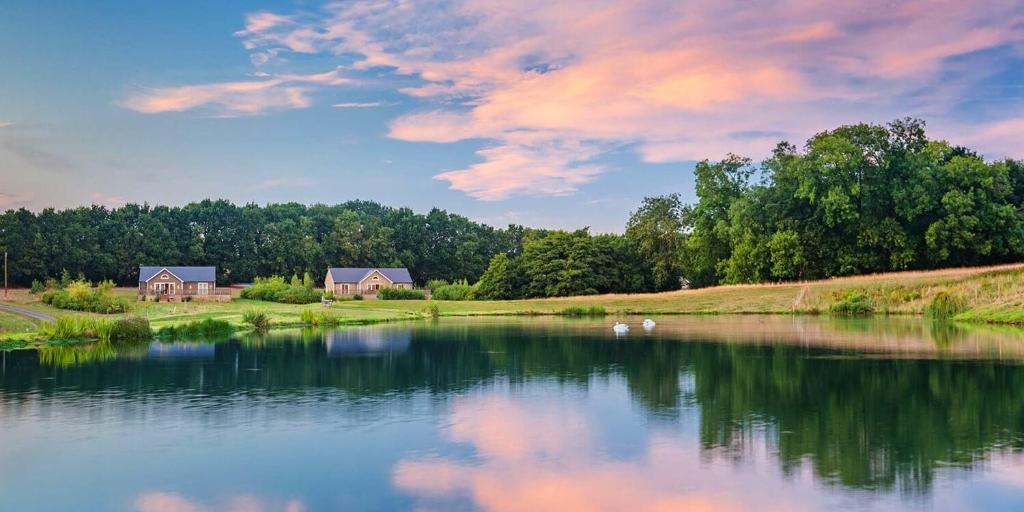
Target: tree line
x=857, y=199
x=249, y=241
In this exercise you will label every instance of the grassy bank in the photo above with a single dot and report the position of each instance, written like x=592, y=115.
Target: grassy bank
x=985, y=294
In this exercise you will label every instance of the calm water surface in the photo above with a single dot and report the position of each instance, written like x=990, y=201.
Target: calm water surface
x=718, y=413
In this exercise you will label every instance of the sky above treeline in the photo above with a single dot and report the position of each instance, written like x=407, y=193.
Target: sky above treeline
x=548, y=113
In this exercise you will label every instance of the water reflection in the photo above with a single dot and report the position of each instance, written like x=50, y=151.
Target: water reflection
x=702, y=413
x=169, y=502
x=368, y=341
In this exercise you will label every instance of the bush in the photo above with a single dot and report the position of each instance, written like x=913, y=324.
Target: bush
x=434, y=284
x=581, y=311
x=945, y=305
x=130, y=330
x=37, y=287
x=81, y=295
x=275, y=289
x=454, y=291
x=400, y=294
x=357, y=297
x=852, y=303
x=208, y=329
x=257, y=319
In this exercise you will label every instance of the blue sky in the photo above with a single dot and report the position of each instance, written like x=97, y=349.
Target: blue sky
x=552, y=114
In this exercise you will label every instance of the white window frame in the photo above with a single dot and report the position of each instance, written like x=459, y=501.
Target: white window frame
x=203, y=288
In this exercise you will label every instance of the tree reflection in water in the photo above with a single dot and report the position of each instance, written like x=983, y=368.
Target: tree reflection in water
x=865, y=404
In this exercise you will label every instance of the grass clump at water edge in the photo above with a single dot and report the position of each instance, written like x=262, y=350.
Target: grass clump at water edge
x=945, y=305
x=583, y=311
x=122, y=330
x=207, y=329
x=852, y=303
x=257, y=319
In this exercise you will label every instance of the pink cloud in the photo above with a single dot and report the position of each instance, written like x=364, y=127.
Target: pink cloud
x=675, y=79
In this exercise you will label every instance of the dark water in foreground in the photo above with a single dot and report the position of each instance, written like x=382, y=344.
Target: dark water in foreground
x=718, y=413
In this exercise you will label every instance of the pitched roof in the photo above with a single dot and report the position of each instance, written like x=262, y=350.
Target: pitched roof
x=187, y=274
x=354, y=275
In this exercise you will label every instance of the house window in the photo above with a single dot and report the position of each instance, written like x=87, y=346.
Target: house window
x=375, y=278
x=344, y=288
x=204, y=288
x=165, y=276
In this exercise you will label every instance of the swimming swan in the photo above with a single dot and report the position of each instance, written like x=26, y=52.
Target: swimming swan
x=649, y=324
x=620, y=328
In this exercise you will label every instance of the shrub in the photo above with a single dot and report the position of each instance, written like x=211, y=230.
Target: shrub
x=432, y=310
x=129, y=330
x=257, y=319
x=852, y=303
x=581, y=311
x=945, y=305
x=400, y=294
x=275, y=289
x=37, y=287
x=357, y=297
x=434, y=284
x=81, y=295
x=455, y=291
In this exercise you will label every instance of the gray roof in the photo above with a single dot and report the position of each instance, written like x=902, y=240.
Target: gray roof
x=187, y=274
x=354, y=275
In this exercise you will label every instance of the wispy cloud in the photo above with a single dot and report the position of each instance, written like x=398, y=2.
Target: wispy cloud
x=6, y=124
x=231, y=99
x=550, y=87
x=363, y=104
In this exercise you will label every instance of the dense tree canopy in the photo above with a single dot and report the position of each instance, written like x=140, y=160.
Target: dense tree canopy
x=857, y=199
x=248, y=241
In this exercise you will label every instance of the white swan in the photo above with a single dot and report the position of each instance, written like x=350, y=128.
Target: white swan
x=649, y=324
x=620, y=328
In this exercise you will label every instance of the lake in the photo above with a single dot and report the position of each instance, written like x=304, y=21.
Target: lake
x=700, y=413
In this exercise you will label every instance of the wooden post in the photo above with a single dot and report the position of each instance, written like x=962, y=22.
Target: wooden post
x=5, y=274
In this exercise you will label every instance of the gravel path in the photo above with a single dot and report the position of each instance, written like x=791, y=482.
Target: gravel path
x=35, y=315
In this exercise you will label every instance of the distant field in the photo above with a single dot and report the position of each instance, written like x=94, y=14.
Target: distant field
x=994, y=294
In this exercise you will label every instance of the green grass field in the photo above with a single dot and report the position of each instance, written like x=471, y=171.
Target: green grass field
x=14, y=324
x=991, y=294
